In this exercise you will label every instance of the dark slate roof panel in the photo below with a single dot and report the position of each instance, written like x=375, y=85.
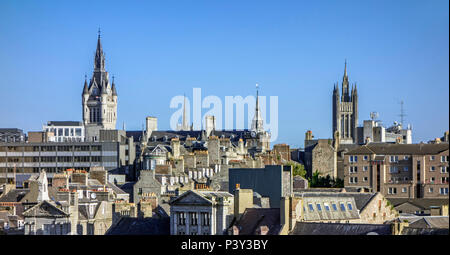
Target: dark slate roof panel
x=304, y=228
x=136, y=226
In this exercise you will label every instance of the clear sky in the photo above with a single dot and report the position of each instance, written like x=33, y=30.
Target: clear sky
x=396, y=50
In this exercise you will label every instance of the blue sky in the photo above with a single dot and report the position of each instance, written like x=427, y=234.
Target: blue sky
x=396, y=50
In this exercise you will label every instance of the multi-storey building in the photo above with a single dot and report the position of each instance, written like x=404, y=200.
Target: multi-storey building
x=65, y=131
x=26, y=158
x=399, y=170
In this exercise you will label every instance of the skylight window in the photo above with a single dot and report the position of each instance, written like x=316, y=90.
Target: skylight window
x=327, y=206
x=334, y=207
x=319, y=207
x=342, y=207
x=349, y=206
x=311, y=208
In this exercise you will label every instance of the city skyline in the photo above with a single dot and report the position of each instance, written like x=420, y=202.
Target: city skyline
x=145, y=66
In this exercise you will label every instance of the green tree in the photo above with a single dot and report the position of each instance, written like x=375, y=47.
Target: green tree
x=297, y=169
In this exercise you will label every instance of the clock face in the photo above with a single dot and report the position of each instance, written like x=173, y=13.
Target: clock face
x=253, y=134
x=93, y=195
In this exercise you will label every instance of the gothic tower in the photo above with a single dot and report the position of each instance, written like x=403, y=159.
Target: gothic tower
x=345, y=111
x=99, y=98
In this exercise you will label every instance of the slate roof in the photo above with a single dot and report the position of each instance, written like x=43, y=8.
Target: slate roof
x=392, y=149
x=315, y=198
x=64, y=123
x=309, y=228
x=431, y=222
x=424, y=203
x=14, y=195
x=136, y=226
x=361, y=199
x=253, y=218
x=424, y=231
x=45, y=209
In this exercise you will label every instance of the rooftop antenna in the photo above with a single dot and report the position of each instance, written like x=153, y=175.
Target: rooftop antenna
x=402, y=113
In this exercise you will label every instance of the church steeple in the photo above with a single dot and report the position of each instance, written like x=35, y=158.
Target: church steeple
x=257, y=123
x=99, y=62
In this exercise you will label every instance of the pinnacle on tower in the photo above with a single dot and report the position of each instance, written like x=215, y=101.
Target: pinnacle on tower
x=85, y=88
x=113, y=88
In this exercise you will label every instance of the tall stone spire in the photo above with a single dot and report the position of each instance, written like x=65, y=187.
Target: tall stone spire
x=99, y=62
x=185, y=124
x=257, y=123
x=113, y=88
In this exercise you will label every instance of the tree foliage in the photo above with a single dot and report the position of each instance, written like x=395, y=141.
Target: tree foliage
x=297, y=169
x=318, y=181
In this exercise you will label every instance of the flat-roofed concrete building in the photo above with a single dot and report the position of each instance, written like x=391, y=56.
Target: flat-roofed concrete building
x=65, y=131
x=11, y=135
x=27, y=158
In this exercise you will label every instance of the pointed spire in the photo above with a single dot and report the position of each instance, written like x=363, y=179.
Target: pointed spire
x=257, y=123
x=85, y=89
x=99, y=63
x=114, y=92
x=345, y=69
x=185, y=125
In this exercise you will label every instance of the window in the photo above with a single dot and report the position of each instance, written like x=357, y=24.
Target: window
x=319, y=207
x=353, y=180
x=432, y=168
x=443, y=159
x=393, y=169
x=353, y=158
x=366, y=157
x=353, y=169
x=393, y=159
x=404, y=190
x=406, y=168
x=205, y=218
x=349, y=206
x=405, y=158
x=78, y=131
x=327, y=207
x=365, y=168
x=443, y=191
x=334, y=207
x=444, y=169
x=365, y=179
x=392, y=190
x=181, y=218
x=430, y=190
x=193, y=218
x=311, y=208
x=432, y=179
x=342, y=207
x=431, y=157
x=444, y=180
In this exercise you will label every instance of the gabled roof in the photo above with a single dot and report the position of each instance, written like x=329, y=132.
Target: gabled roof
x=254, y=218
x=199, y=197
x=424, y=203
x=431, y=222
x=309, y=228
x=45, y=209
